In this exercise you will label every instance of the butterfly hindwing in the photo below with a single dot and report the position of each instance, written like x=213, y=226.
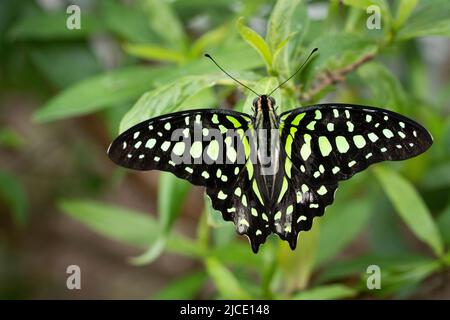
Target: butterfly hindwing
x=298, y=201
x=244, y=205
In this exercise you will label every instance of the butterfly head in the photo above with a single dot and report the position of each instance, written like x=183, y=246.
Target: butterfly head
x=264, y=102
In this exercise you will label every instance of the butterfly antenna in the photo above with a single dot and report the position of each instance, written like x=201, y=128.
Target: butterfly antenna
x=312, y=52
x=208, y=56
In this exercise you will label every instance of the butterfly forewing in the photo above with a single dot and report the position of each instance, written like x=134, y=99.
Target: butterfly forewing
x=191, y=144
x=332, y=142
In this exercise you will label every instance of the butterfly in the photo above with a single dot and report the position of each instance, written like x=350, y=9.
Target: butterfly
x=269, y=172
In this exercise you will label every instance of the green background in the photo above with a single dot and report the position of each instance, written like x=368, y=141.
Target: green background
x=65, y=94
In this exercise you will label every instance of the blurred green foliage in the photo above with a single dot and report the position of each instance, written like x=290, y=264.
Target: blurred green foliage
x=261, y=42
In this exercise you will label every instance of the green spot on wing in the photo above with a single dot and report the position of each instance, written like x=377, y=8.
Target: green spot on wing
x=284, y=188
x=325, y=146
x=297, y=119
x=288, y=148
x=234, y=121
x=256, y=191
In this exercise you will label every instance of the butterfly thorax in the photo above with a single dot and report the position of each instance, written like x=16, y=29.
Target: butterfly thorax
x=266, y=126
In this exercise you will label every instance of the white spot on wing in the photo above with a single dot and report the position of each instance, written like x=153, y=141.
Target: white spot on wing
x=165, y=146
x=373, y=137
x=150, y=143
x=330, y=126
x=205, y=174
x=347, y=114
x=388, y=133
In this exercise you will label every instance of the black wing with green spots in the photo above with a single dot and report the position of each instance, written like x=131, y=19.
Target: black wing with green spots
x=326, y=143
x=221, y=164
x=318, y=146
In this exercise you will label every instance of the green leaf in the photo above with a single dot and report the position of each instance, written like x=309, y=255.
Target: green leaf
x=170, y=188
x=65, y=64
x=280, y=56
x=297, y=266
x=224, y=280
x=279, y=24
x=396, y=278
x=353, y=21
x=364, y=4
x=358, y=265
x=256, y=41
x=337, y=51
x=404, y=10
x=166, y=99
x=152, y=253
x=153, y=52
x=341, y=225
x=164, y=22
x=437, y=177
x=205, y=97
x=51, y=26
x=183, y=288
x=340, y=50
x=122, y=85
x=127, y=21
x=327, y=292
x=443, y=223
x=208, y=39
x=237, y=254
x=411, y=207
x=429, y=18
x=14, y=196
x=385, y=87
x=385, y=233
x=10, y=138
x=98, y=92
x=125, y=225
x=118, y=223
x=446, y=258
x=285, y=28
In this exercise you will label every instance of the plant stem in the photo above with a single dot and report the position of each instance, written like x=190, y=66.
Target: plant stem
x=328, y=78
